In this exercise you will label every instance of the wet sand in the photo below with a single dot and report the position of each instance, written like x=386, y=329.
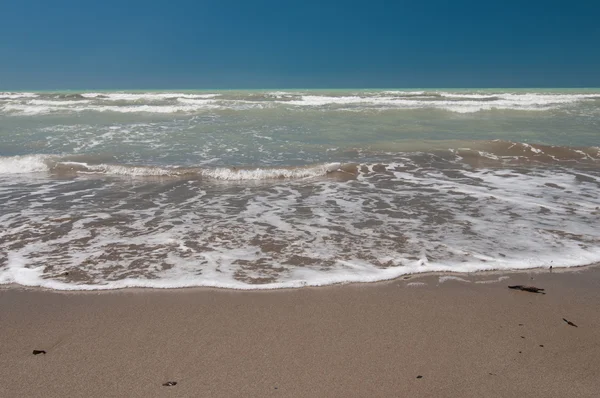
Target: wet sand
x=466, y=339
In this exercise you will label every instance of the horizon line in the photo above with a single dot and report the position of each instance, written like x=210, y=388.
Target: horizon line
x=303, y=88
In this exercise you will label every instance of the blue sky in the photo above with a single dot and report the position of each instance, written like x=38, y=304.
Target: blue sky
x=65, y=44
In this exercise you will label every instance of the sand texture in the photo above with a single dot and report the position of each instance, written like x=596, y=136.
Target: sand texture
x=466, y=339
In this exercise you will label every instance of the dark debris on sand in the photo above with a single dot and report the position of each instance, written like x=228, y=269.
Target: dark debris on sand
x=570, y=323
x=531, y=289
x=170, y=384
x=38, y=352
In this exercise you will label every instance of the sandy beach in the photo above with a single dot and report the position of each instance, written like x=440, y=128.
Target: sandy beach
x=299, y=199
x=426, y=336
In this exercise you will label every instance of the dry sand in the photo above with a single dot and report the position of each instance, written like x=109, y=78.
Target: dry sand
x=465, y=339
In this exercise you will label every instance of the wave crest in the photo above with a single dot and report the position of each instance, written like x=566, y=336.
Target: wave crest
x=190, y=103
x=53, y=164
x=496, y=153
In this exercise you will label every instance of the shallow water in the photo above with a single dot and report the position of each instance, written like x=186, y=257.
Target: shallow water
x=257, y=189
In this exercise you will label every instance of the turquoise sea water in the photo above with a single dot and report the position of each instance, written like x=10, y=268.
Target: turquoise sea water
x=266, y=188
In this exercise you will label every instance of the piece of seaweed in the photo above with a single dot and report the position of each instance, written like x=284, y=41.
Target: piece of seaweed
x=531, y=289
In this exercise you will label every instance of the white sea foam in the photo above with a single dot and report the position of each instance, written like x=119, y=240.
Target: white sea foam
x=23, y=164
x=30, y=110
x=270, y=173
x=45, y=163
x=416, y=284
x=148, y=108
x=380, y=226
x=165, y=103
x=403, y=93
x=17, y=272
x=200, y=101
x=282, y=94
x=8, y=96
x=226, y=174
x=491, y=281
x=446, y=278
x=468, y=102
x=146, y=96
x=58, y=102
x=320, y=100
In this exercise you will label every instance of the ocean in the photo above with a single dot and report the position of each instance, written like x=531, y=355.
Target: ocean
x=281, y=189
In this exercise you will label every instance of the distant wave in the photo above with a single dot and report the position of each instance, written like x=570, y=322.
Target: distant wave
x=8, y=96
x=47, y=108
x=460, y=103
x=145, y=96
x=59, y=103
x=31, y=104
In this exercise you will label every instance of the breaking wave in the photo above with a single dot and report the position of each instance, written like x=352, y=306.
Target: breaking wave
x=473, y=153
x=38, y=163
x=190, y=103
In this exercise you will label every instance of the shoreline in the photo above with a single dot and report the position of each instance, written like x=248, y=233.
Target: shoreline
x=370, y=339
x=473, y=277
